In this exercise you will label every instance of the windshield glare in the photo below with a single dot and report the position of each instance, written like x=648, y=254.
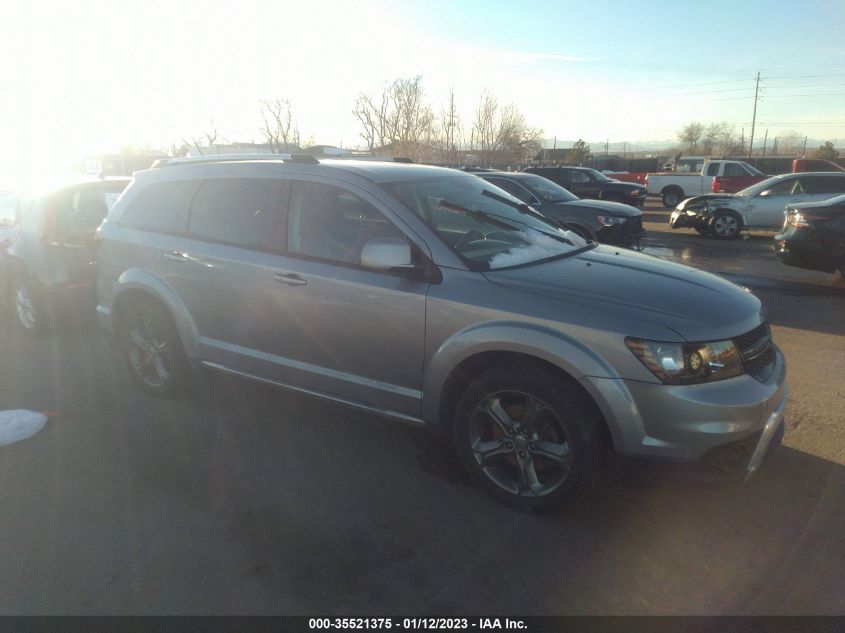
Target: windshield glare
x=597, y=174
x=547, y=190
x=484, y=232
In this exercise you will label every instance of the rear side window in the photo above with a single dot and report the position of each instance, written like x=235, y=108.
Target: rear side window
x=732, y=169
x=239, y=211
x=713, y=169
x=79, y=210
x=824, y=184
x=161, y=207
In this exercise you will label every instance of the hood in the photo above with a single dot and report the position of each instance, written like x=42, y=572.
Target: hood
x=698, y=306
x=611, y=208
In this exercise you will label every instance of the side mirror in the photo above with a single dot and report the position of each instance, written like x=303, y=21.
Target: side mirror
x=387, y=254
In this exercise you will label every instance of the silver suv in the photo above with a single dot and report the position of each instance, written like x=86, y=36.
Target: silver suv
x=432, y=297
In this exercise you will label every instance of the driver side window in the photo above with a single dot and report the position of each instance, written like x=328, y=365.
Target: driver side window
x=579, y=178
x=783, y=188
x=327, y=222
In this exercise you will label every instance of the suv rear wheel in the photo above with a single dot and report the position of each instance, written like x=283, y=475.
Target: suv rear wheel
x=151, y=348
x=527, y=437
x=29, y=309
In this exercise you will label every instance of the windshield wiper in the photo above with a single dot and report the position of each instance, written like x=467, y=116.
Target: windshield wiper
x=523, y=208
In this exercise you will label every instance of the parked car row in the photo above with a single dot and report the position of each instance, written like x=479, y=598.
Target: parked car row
x=432, y=297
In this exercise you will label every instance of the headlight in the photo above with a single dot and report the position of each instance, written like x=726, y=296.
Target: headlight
x=688, y=363
x=609, y=220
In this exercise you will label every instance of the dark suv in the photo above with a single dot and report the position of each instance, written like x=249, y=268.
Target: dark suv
x=597, y=220
x=589, y=183
x=49, y=265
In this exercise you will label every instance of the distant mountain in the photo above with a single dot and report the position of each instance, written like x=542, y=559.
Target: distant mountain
x=615, y=147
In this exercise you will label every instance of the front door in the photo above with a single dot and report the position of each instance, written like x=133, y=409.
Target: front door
x=339, y=329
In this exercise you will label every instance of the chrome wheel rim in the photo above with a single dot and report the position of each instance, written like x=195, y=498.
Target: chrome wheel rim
x=520, y=444
x=725, y=225
x=25, y=307
x=148, y=352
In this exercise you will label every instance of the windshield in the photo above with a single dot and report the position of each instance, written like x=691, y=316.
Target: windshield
x=484, y=225
x=547, y=190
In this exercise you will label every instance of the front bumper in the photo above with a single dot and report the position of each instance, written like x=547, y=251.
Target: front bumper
x=689, y=219
x=687, y=423
x=628, y=235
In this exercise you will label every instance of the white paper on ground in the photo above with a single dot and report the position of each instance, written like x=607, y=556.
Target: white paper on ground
x=19, y=424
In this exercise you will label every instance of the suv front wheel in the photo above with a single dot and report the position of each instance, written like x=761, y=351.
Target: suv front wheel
x=151, y=347
x=528, y=437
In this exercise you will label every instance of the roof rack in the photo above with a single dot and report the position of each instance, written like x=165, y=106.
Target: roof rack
x=303, y=159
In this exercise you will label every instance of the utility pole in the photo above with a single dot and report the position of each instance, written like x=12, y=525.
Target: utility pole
x=754, y=118
x=765, y=138
x=804, y=151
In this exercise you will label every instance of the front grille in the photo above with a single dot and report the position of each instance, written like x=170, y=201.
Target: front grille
x=634, y=225
x=755, y=348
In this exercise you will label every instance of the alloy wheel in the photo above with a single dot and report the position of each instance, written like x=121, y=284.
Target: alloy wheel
x=25, y=307
x=725, y=225
x=520, y=443
x=148, y=351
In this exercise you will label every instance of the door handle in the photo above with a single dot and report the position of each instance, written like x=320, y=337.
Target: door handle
x=290, y=279
x=176, y=256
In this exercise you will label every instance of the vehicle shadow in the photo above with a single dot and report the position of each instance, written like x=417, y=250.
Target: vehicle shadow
x=384, y=515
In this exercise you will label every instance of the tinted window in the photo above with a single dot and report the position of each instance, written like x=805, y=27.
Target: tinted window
x=713, y=169
x=162, y=207
x=579, y=178
x=824, y=184
x=785, y=187
x=547, y=190
x=241, y=211
x=513, y=189
x=732, y=169
x=331, y=223
x=79, y=210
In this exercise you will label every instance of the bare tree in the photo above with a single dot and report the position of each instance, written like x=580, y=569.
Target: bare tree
x=198, y=141
x=690, y=135
x=279, y=130
x=502, y=135
x=449, y=133
x=398, y=122
x=790, y=142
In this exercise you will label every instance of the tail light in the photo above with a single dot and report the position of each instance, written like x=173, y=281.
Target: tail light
x=800, y=220
x=717, y=186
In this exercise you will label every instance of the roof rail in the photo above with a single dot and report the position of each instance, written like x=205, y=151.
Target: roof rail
x=305, y=159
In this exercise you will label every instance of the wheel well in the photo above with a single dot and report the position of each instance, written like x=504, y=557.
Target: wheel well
x=128, y=298
x=461, y=376
x=671, y=189
x=732, y=212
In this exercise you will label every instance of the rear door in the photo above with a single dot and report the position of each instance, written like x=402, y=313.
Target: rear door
x=340, y=329
x=219, y=268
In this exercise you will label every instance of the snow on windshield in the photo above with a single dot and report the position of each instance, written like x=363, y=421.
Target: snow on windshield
x=535, y=246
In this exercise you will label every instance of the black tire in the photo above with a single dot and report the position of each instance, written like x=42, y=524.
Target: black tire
x=725, y=225
x=28, y=306
x=151, y=348
x=540, y=463
x=705, y=232
x=672, y=197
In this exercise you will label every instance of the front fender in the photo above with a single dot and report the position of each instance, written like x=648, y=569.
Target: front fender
x=528, y=339
x=138, y=279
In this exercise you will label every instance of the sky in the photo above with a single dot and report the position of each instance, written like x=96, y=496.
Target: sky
x=84, y=77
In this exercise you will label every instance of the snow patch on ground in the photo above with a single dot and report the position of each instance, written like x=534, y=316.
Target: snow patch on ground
x=19, y=424
x=537, y=246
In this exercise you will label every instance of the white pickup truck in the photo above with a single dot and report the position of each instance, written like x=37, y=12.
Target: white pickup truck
x=674, y=187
